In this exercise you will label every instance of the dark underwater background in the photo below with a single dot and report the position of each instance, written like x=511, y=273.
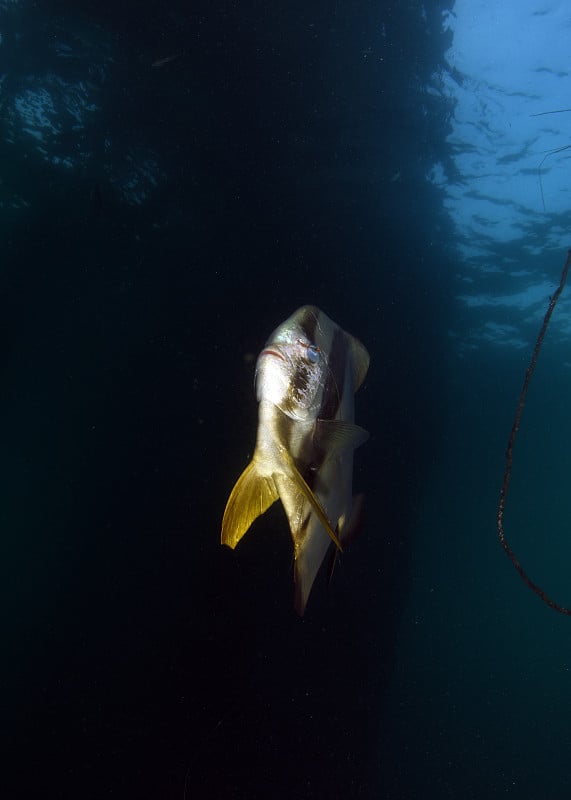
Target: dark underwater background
x=176, y=178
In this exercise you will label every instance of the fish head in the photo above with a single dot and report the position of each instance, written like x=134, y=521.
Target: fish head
x=292, y=367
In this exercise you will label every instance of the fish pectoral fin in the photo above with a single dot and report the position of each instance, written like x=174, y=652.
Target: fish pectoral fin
x=251, y=496
x=333, y=436
x=311, y=498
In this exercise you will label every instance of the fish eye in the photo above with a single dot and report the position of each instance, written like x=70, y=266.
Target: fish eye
x=313, y=353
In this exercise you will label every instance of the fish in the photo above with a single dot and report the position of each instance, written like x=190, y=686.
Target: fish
x=306, y=378
x=160, y=62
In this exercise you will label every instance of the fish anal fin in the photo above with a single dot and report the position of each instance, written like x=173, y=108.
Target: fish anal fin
x=251, y=496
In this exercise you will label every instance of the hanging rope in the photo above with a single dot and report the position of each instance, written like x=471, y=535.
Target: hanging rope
x=509, y=450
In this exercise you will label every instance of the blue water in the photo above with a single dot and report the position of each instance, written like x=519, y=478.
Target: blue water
x=174, y=183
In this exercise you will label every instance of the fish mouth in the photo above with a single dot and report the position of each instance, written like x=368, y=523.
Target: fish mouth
x=270, y=351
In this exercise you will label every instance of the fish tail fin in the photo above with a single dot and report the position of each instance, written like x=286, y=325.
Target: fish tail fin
x=251, y=496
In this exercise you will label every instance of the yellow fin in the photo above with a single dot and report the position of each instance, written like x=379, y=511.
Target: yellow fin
x=252, y=495
x=311, y=499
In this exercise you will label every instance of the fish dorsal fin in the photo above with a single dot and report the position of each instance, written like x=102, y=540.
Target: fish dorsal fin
x=251, y=496
x=311, y=498
x=333, y=436
x=360, y=360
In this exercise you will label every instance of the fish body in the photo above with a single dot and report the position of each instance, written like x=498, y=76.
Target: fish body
x=306, y=378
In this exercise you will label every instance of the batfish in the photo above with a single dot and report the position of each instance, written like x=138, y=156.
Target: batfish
x=306, y=378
